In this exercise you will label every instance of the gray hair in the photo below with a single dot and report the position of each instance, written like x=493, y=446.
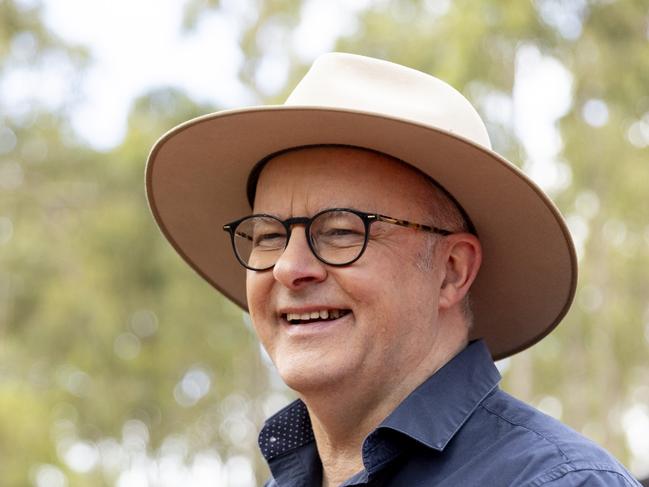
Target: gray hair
x=443, y=211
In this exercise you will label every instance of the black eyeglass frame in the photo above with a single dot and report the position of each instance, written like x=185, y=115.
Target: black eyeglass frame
x=367, y=218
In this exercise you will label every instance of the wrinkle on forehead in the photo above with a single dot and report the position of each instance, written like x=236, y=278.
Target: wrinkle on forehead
x=307, y=180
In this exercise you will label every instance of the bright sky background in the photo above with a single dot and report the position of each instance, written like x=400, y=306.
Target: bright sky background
x=138, y=45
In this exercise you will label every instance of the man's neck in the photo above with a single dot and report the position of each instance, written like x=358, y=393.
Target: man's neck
x=340, y=427
x=344, y=415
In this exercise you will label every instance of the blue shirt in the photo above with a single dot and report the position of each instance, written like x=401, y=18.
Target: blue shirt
x=456, y=429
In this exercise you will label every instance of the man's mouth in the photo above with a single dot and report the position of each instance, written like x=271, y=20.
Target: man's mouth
x=313, y=316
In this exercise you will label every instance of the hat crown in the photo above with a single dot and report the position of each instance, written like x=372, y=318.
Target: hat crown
x=353, y=82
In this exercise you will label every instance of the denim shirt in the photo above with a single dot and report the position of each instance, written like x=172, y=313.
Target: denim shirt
x=456, y=429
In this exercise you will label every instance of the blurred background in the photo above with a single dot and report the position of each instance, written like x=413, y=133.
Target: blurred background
x=120, y=367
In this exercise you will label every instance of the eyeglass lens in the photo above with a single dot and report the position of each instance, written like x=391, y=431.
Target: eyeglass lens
x=336, y=237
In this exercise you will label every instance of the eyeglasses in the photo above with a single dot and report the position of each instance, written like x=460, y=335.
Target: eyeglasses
x=337, y=236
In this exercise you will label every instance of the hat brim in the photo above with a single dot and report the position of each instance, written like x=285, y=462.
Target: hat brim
x=196, y=181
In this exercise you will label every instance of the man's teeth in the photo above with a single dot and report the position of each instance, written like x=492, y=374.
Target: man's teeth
x=324, y=314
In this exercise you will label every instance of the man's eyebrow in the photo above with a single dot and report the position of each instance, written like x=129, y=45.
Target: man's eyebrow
x=318, y=209
x=364, y=208
x=332, y=206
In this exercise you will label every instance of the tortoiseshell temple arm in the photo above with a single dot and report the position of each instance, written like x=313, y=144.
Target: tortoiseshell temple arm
x=237, y=233
x=244, y=235
x=416, y=226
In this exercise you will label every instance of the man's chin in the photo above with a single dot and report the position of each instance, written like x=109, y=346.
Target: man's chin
x=314, y=377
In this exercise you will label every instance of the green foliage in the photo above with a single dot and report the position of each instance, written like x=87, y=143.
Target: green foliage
x=101, y=323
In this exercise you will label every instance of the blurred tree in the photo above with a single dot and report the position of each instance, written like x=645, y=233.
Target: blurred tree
x=114, y=356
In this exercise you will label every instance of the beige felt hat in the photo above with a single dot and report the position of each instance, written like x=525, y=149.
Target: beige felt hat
x=197, y=172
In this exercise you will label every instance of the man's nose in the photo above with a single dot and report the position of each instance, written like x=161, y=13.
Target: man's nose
x=297, y=265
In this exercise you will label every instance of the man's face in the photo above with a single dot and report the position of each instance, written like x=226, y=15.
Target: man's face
x=387, y=299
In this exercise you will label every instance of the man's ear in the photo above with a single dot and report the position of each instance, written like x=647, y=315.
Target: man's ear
x=461, y=258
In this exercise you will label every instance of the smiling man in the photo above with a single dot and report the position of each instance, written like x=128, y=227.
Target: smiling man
x=386, y=256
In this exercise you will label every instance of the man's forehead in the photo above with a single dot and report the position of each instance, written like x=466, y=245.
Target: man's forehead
x=324, y=160
x=351, y=167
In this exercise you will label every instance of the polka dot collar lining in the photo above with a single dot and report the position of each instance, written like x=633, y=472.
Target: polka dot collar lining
x=288, y=429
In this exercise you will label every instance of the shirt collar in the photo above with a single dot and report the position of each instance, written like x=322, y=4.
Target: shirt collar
x=288, y=445
x=431, y=415
x=286, y=430
x=436, y=410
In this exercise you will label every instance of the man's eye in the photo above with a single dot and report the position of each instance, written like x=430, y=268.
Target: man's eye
x=269, y=240
x=340, y=237
x=340, y=232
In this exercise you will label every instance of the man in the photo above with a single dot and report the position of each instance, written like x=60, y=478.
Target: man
x=389, y=257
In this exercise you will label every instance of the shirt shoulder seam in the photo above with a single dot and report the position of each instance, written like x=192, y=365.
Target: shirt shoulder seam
x=566, y=469
x=537, y=433
x=569, y=465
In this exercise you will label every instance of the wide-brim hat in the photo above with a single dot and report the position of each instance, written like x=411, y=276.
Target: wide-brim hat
x=197, y=174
